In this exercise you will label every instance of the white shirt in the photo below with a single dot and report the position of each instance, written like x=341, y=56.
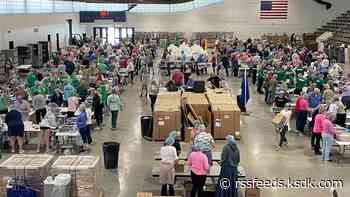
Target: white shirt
x=287, y=114
x=168, y=154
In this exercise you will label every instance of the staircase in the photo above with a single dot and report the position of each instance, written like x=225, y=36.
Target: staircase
x=340, y=26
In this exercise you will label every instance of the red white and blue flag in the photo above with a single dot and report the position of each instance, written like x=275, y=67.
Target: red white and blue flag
x=274, y=9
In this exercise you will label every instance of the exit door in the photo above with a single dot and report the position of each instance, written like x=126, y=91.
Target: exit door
x=101, y=33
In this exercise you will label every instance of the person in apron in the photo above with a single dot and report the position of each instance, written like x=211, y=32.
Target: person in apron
x=169, y=159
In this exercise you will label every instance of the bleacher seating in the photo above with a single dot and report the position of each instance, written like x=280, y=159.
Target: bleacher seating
x=340, y=26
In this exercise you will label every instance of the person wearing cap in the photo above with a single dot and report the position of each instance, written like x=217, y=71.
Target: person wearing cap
x=176, y=144
x=328, y=132
x=169, y=159
x=46, y=124
x=207, y=141
x=230, y=159
x=198, y=163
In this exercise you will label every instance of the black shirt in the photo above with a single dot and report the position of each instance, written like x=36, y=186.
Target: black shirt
x=281, y=101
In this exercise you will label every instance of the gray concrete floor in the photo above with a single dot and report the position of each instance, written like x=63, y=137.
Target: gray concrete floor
x=258, y=155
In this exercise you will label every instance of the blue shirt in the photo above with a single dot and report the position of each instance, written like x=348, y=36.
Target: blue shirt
x=314, y=100
x=81, y=120
x=68, y=91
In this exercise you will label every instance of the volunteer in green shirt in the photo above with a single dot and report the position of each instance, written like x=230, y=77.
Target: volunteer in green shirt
x=262, y=73
x=320, y=82
x=31, y=79
x=299, y=70
x=290, y=76
x=280, y=74
x=104, y=68
x=3, y=104
x=103, y=90
x=301, y=82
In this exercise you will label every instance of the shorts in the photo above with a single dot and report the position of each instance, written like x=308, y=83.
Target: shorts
x=17, y=131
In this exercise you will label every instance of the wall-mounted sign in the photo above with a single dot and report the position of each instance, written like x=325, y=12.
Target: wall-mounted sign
x=91, y=16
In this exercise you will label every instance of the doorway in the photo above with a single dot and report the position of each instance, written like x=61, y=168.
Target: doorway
x=114, y=35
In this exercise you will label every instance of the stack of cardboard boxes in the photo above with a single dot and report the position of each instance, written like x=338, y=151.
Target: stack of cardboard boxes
x=166, y=115
x=225, y=113
x=84, y=171
x=31, y=169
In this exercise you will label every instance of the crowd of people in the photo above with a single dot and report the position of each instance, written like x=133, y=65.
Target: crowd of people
x=86, y=81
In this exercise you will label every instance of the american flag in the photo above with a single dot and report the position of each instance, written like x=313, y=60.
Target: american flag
x=274, y=9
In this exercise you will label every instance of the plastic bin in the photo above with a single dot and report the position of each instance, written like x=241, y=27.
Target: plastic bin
x=146, y=127
x=111, y=154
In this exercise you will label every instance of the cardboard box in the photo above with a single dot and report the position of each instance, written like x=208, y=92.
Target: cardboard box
x=252, y=192
x=144, y=194
x=30, y=168
x=84, y=171
x=278, y=119
x=226, y=120
x=166, y=115
x=200, y=104
x=187, y=135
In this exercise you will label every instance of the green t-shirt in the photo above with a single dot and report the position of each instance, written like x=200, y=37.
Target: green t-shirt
x=299, y=70
x=3, y=104
x=103, y=90
x=281, y=75
x=262, y=73
x=31, y=79
x=104, y=68
x=301, y=83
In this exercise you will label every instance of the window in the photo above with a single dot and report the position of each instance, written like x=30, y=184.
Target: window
x=40, y=6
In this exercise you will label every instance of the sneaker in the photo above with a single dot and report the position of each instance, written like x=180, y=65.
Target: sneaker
x=277, y=148
x=21, y=151
x=13, y=151
x=300, y=134
x=38, y=151
x=98, y=128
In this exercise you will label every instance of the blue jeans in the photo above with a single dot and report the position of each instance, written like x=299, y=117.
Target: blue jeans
x=85, y=135
x=114, y=119
x=327, y=142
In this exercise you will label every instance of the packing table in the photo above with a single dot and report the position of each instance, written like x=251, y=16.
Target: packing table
x=343, y=146
x=183, y=156
x=214, y=171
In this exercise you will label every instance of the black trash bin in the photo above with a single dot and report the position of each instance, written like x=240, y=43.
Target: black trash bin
x=147, y=127
x=111, y=154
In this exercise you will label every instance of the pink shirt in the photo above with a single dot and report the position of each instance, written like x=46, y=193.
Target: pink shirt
x=327, y=127
x=318, y=123
x=198, y=163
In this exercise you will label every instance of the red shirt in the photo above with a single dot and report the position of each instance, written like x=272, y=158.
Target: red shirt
x=301, y=105
x=178, y=78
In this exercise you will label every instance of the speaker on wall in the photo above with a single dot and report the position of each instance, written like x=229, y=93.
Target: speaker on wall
x=11, y=44
x=57, y=41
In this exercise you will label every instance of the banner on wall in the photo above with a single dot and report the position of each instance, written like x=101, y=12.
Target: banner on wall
x=91, y=16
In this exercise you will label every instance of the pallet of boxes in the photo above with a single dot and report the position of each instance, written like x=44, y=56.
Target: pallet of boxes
x=166, y=115
x=83, y=170
x=25, y=170
x=225, y=113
